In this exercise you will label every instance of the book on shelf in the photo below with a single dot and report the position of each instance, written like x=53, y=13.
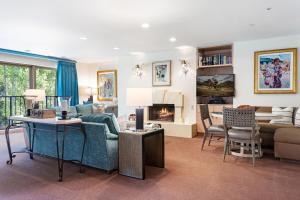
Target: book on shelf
x=218, y=59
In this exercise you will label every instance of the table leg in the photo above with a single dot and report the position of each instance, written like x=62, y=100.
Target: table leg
x=31, y=139
x=10, y=154
x=60, y=161
x=83, y=147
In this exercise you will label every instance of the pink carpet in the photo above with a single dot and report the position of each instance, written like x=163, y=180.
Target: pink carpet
x=189, y=174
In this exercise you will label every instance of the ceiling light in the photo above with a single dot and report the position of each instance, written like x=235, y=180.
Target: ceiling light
x=116, y=48
x=145, y=25
x=269, y=8
x=172, y=39
x=184, y=47
x=83, y=38
x=251, y=24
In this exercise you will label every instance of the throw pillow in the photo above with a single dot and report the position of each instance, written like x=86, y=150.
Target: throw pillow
x=98, y=108
x=286, y=113
x=297, y=118
x=85, y=109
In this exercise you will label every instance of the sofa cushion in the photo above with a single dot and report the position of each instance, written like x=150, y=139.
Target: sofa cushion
x=286, y=113
x=85, y=109
x=287, y=135
x=271, y=128
x=297, y=118
x=107, y=119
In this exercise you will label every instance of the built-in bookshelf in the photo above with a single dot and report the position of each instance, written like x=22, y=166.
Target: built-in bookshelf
x=215, y=61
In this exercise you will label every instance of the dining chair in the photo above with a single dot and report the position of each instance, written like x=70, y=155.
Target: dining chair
x=210, y=130
x=240, y=128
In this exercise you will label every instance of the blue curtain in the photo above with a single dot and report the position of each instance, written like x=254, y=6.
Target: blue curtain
x=66, y=81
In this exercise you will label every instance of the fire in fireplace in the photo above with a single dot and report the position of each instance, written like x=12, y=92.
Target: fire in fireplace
x=162, y=112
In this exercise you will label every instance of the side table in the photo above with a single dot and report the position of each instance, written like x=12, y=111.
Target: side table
x=137, y=149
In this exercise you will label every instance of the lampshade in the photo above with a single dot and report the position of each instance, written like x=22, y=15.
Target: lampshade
x=139, y=97
x=35, y=94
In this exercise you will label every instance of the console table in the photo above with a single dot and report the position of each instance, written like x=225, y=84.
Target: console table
x=60, y=127
x=137, y=149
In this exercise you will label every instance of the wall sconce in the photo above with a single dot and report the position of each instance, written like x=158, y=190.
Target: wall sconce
x=185, y=67
x=138, y=70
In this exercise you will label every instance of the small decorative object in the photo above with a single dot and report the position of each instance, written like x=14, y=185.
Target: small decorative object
x=186, y=67
x=139, y=97
x=107, y=85
x=275, y=71
x=42, y=113
x=161, y=73
x=64, y=104
x=138, y=70
x=132, y=117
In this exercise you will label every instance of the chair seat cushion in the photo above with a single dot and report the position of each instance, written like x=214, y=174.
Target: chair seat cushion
x=216, y=128
x=239, y=134
x=287, y=135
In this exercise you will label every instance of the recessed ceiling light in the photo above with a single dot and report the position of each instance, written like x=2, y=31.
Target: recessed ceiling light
x=83, y=38
x=172, y=39
x=269, y=8
x=116, y=48
x=145, y=25
x=251, y=24
x=184, y=47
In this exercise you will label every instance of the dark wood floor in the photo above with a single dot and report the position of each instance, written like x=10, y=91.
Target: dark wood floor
x=189, y=174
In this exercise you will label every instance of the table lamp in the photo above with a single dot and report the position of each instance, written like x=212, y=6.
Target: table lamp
x=139, y=97
x=36, y=96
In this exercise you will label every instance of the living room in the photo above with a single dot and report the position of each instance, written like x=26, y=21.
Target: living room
x=149, y=99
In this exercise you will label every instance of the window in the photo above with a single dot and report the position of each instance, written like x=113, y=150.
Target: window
x=14, y=80
x=46, y=79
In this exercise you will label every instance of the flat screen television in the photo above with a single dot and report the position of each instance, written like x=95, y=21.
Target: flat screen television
x=221, y=85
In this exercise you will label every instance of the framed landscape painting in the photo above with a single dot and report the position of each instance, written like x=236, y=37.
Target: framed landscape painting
x=106, y=85
x=161, y=73
x=275, y=71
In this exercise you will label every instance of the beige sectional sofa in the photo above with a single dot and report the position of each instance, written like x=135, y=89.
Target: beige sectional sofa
x=283, y=138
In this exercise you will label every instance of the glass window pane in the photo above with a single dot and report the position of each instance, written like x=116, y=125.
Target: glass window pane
x=46, y=79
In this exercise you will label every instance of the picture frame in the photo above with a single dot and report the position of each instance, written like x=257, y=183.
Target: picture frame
x=275, y=71
x=161, y=73
x=106, y=85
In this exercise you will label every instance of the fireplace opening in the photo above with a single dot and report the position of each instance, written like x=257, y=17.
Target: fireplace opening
x=162, y=112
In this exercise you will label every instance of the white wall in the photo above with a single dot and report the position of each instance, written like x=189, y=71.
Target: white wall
x=244, y=70
x=126, y=78
x=28, y=61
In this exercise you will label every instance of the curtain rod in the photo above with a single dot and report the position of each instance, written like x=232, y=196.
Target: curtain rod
x=33, y=55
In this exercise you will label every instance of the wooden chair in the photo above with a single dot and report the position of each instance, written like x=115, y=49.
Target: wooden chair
x=210, y=130
x=240, y=127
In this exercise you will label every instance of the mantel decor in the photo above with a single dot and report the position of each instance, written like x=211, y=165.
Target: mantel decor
x=106, y=85
x=275, y=71
x=161, y=73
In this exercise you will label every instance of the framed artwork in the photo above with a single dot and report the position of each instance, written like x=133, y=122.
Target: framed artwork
x=275, y=71
x=161, y=73
x=106, y=85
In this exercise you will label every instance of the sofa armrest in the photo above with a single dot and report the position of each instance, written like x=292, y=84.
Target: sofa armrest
x=100, y=128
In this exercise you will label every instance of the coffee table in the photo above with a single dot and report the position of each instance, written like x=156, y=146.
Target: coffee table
x=61, y=126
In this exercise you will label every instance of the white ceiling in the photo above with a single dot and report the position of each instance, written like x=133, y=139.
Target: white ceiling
x=53, y=27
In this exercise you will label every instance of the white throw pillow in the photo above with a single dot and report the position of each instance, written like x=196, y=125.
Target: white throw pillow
x=286, y=113
x=297, y=118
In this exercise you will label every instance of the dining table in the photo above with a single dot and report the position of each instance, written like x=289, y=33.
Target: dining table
x=259, y=116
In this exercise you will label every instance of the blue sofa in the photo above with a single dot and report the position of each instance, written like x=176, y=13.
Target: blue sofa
x=101, y=150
